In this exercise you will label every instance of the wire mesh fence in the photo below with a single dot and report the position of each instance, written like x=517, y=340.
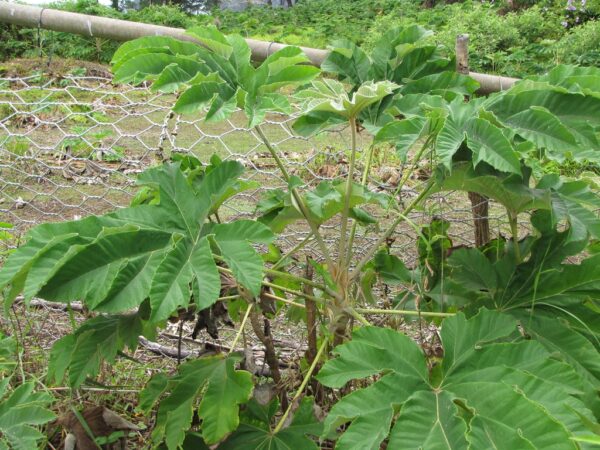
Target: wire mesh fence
x=71, y=146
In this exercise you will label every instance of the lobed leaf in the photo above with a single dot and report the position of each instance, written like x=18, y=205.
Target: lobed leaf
x=492, y=390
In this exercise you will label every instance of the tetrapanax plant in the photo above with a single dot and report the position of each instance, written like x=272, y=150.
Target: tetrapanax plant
x=167, y=254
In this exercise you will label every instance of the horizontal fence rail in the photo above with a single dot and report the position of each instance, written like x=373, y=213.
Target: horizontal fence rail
x=124, y=30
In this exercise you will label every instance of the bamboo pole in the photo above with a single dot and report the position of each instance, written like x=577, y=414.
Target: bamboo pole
x=479, y=203
x=124, y=30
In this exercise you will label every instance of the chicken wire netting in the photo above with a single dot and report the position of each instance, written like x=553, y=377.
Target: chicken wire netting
x=71, y=146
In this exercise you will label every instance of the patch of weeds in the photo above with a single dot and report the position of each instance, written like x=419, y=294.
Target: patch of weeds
x=17, y=146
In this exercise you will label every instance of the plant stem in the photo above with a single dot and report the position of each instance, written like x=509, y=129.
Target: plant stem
x=292, y=291
x=280, y=274
x=292, y=251
x=367, y=257
x=228, y=297
x=416, y=160
x=242, y=326
x=363, y=183
x=263, y=333
x=401, y=312
x=356, y=314
x=303, y=210
x=284, y=300
x=311, y=369
x=346, y=209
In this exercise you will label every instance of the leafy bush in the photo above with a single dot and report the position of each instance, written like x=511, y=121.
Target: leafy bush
x=580, y=45
x=519, y=320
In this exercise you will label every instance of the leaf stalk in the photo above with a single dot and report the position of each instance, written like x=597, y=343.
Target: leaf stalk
x=307, y=377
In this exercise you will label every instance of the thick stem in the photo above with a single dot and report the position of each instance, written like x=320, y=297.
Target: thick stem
x=348, y=193
x=298, y=198
x=356, y=314
x=367, y=257
x=307, y=377
x=284, y=300
x=339, y=331
x=481, y=223
x=264, y=335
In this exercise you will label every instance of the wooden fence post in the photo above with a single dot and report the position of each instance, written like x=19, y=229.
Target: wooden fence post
x=479, y=203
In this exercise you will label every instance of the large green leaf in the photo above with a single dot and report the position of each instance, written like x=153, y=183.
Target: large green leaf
x=217, y=75
x=255, y=432
x=97, y=340
x=509, y=191
x=21, y=410
x=278, y=210
x=488, y=144
x=150, y=44
x=148, y=66
x=114, y=262
x=403, y=134
x=574, y=202
x=442, y=84
x=492, y=390
x=543, y=128
x=560, y=121
x=8, y=354
x=348, y=61
x=330, y=96
x=559, y=337
x=221, y=388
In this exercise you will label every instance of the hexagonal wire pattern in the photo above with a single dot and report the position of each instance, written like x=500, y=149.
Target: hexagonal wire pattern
x=72, y=146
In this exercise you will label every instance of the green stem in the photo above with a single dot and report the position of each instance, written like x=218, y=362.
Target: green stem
x=292, y=291
x=284, y=300
x=363, y=182
x=296, y=278
x=311, y=369
x=292, y=251
x=297, y=197
x=416, y=160
x=346, y=209
x=242, y=326
x=401, y=312
x=356, y=314
x=367, y=257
